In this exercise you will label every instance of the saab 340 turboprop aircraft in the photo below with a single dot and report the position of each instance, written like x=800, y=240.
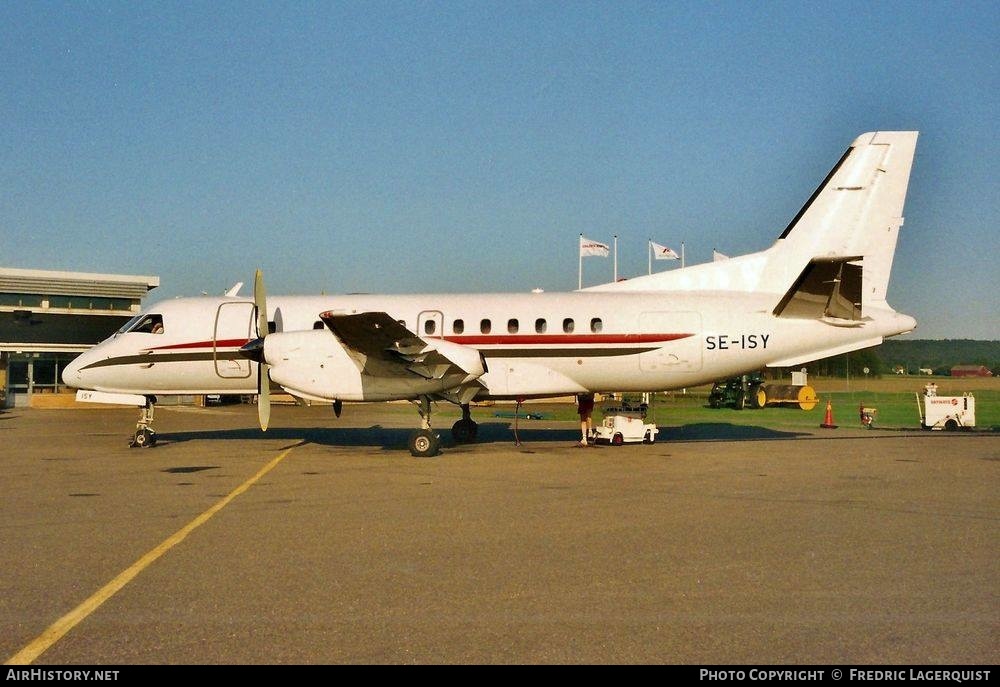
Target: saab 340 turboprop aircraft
x=819, y=291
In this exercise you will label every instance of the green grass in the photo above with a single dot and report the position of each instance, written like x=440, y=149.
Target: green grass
x=896, y=410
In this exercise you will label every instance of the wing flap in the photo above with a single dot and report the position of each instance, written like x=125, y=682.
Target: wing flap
x=376, y=339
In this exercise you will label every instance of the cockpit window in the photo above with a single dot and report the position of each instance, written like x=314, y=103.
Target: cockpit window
x=131, y=323
x=147, y=324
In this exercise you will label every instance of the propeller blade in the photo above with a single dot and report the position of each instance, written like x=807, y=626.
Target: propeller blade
x=260, y=300
x=255, y=351
x=263, y=396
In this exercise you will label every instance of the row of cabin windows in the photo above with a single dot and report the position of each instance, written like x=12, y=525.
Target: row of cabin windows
x=514, y=326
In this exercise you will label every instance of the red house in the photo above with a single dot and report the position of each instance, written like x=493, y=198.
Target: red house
x=970, y=371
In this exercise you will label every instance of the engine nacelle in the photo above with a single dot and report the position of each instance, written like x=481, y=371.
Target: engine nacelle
x=313, y=364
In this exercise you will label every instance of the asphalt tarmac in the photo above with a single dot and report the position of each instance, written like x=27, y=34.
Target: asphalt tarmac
x=323, y=541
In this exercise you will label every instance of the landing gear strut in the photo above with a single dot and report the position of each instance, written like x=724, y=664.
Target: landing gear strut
x=145, y=435
x=464, y=431
x=424, y=442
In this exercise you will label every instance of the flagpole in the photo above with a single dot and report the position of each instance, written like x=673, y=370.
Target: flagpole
x=682, y=255
x=649, y=255
x=579, y=273
x=616, y=257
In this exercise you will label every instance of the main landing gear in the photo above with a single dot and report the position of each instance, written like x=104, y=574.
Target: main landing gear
x=145, y=435
x=425, y=442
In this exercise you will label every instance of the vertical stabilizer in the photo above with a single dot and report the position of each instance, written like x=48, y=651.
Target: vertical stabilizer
x=857, y=212
x=833, y=259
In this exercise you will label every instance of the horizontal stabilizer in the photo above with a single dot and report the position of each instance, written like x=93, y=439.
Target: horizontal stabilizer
x=825, y=289
x=828, y=353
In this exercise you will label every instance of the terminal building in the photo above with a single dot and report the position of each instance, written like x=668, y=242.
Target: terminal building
x=48, y=318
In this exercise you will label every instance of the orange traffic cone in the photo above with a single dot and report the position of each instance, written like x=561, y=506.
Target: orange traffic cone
x=828, y=420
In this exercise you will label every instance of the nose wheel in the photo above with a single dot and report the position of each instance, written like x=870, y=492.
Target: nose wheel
x=144, y=436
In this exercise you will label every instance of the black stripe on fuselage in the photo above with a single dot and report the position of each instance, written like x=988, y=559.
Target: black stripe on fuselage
x=561, y=352
x=149, y=359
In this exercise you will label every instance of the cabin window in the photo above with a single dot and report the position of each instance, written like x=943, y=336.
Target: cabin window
x=569, y=325
x=458, y=327
x=512, y=326
x=596, y=325
x=272, y=327
x=318, y=324
x=540, y=325
x=430, y=326
x=485, y=326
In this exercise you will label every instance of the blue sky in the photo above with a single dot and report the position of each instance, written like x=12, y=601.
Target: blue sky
x=463, y=146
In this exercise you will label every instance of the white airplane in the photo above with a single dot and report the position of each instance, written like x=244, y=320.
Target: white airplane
x=819, y=291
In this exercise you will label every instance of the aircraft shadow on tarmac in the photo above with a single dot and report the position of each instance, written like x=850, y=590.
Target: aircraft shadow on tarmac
x=395, y=438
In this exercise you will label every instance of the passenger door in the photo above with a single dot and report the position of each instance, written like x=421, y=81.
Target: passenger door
x=234, y=326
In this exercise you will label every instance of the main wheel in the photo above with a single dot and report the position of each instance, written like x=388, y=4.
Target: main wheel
x=464, y=431
x=424, y=443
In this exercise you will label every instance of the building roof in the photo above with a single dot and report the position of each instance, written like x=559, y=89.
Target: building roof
x=47, y=282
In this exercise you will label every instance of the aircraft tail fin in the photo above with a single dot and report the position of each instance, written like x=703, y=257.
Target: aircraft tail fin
x=852, y=220
x=833, y=259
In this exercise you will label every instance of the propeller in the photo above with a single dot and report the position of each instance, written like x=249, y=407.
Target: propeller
x=257, y=349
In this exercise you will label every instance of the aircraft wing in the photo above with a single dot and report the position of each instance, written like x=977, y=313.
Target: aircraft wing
x=384, y=347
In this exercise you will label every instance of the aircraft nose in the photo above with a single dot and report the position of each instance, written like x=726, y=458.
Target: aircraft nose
x=72, y=374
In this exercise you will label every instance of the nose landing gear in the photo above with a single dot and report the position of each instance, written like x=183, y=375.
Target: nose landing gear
x=145, y=435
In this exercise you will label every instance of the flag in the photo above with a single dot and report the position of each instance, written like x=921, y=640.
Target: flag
x=663, y=253
x=589, y=248
x=718, y=257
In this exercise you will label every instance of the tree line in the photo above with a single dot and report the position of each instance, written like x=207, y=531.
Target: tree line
x=912, y=355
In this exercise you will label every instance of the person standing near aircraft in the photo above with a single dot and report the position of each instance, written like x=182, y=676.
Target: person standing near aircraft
x=585, y=407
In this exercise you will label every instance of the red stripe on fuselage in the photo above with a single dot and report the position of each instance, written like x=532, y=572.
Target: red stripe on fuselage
x=562, y=339
x=485, y=340
x=222, y=343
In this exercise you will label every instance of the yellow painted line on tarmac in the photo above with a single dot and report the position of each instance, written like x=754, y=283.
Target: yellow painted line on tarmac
x=66, y=623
